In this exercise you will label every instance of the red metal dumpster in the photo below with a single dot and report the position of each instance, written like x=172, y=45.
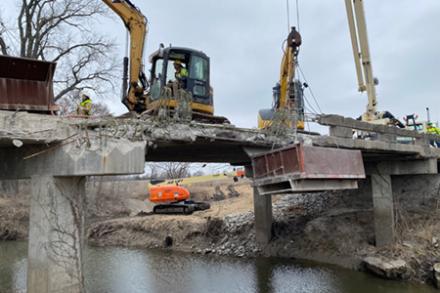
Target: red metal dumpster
x=26, y=84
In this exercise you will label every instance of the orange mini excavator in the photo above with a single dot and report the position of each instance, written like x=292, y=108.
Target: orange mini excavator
x=174, y=199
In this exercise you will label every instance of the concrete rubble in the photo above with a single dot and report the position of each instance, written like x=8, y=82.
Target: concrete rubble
x=387, y=268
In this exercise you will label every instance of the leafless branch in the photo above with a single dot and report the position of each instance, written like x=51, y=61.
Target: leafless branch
x=174, y=170
x=62, y=31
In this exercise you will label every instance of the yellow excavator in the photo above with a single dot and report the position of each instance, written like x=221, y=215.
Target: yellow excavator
x=163, y=88
x=288, y=92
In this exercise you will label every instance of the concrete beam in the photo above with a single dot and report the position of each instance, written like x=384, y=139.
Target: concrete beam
x=336, y=120
x=96, y=157
x=342, y=132
x=412, y=167
x=383, y=207
x=56, y=235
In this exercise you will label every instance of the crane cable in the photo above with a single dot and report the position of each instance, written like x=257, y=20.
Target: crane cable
x=288, y=15
x=297, y=15
x=300, y=71
x=310, y=88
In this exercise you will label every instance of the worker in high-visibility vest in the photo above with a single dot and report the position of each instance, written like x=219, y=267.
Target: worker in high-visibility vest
x=181, y=72
x=85, y=107
x=431, y=129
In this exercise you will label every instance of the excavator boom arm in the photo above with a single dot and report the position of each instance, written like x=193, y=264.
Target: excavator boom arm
x=136, y=24
x=288, y=63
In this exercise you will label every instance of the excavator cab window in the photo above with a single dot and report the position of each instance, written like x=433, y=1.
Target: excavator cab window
x=197, y=65
x=171, y=71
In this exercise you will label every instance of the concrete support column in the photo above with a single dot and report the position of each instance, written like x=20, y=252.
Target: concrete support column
x=56, y=235
x=263, y=218
x=383, y=209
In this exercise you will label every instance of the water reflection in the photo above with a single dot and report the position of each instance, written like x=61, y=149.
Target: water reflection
x=120, y=270
x=13, y=266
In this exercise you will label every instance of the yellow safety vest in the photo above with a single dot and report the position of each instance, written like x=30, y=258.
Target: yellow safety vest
x=433, y=130
x=85, y=107
x=84, y=103
x=182, y=73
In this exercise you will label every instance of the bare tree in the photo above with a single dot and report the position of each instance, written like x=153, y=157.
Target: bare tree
x=62, y=31
x=3, y=46
x=174, y=170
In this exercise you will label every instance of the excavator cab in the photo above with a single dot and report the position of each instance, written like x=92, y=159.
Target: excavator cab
x=197, y=82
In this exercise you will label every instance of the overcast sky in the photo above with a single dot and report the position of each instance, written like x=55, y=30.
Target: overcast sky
x=243, y=39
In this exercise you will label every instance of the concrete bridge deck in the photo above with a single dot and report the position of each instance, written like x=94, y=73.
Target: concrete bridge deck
x=58, y=152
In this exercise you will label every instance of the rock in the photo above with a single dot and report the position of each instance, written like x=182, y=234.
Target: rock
x=408, y=244
x=434, y=242
x=436, y=270
x=385, y=268
x=232, y=191
x=218, y=194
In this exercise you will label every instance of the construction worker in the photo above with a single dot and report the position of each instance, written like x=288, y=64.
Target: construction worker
x=431, y=129
x=181, y=72
x=85, y=107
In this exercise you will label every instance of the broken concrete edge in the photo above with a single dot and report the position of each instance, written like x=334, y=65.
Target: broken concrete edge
x=37, y=128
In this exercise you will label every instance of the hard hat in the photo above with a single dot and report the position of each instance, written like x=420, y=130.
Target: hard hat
x=177, y=62
x=84, y=96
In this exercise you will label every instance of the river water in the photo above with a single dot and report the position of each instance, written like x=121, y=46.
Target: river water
x=121, y=270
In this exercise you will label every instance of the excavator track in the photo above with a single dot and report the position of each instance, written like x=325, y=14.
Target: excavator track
x=180, y=208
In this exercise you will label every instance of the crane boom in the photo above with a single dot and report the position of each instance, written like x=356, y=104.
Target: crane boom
x=136, y=24
x=288, y=65
x=361, y=53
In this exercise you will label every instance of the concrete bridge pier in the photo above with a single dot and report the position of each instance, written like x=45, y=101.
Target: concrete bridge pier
x=56, y=227
x=56, y=234
x=382, y=174
x=263, y=218
x=262, y=212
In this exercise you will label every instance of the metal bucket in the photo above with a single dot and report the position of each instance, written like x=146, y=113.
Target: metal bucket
x=26, y=84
